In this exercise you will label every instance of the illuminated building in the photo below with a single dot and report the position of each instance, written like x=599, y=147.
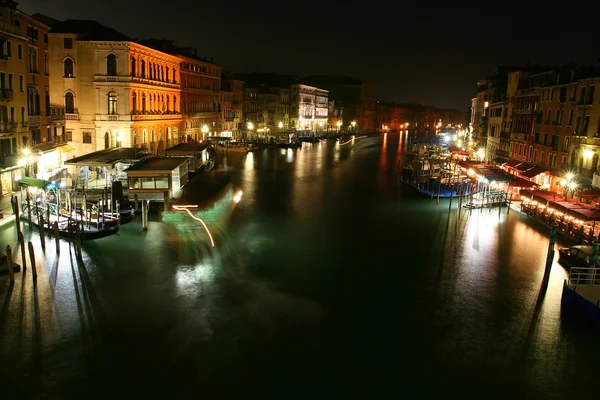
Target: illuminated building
x=200, y=90
x=108, y=91
x=309, y=107
x=23, y=88
x=232, y=113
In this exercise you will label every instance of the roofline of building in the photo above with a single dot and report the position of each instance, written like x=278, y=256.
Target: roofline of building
x=32, y=20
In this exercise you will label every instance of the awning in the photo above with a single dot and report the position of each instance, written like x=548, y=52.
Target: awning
x=65, y=148
x=535, y=171
x=521, y=183
x=34, y=182
x=512, y=163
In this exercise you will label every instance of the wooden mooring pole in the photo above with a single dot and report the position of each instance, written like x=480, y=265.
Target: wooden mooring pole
x=56, y=238
x=23, y=254
x=9, y=264
x=32, y=259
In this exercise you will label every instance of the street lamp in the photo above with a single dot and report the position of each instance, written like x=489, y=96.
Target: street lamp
x=26, y=161
x=339, y=125
x=353, y=123
x=280, y=125
x=568, y=184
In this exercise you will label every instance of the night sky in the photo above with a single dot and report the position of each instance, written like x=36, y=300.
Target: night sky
x=432, y=56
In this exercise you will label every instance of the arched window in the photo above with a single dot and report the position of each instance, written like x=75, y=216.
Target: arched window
x=571, y=115
x=144, y=103
x=133, y=66
x=68, y=68
x=135, y=139
x=106, y=140
x=112, y=103
x=134, y=103
x=69, y=103
x=167, y=104
x=167, y=74
x=144, y=137
x=143, y=65
x=111, y=65
x=174, y=104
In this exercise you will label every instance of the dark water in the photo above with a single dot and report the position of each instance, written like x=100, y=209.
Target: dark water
x=328, y=278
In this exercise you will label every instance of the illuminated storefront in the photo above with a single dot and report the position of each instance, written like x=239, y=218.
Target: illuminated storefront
x=9, y=178
x=156, y=177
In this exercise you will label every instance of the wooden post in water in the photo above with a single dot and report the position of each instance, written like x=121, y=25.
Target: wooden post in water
x=22, y=246
x=439, y=189
x=56, y=238
x=32, y=259
x=9, y=264
x=42, y=233
x=78, y=253
x=48, y=213
x=550, y=255
x=451, y=191
x=18, y=218
x=166, y=200
x=117, y=206
x=29, y=208
x=145, y=215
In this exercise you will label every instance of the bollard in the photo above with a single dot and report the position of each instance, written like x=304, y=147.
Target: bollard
x=9, y=264
x=23, y=255
x=32, y=259
x=56, y=238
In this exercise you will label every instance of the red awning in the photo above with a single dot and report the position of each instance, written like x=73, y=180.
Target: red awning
x=512, y=163
x=521, y=183
x=533, y=172
x=589, y=194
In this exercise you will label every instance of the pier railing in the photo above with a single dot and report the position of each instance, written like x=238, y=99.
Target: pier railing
x=584, y=276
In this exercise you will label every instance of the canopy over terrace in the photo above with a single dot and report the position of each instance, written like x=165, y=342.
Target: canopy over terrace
x=95, y=168
x=584, y=212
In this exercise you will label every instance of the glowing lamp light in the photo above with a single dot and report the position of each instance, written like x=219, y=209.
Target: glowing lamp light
x=587, y=154
x=250, y=125
x=237, y=197
x=204, y=128
x=280, y=125
x=569, y=176
x=572, y=185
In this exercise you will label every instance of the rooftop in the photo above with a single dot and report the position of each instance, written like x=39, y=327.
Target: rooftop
x=109, y=156
x=89, y=30
x=187, y=147
x=157, y=164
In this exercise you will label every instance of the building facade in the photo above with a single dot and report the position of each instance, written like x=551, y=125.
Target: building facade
x=24, y=86
x=108, y=91
x=309, y=108
x=232, y=113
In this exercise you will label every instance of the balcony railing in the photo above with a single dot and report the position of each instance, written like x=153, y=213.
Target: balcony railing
x=34, y=119
x=152, y=117
x=6, y=94
x=72, y=116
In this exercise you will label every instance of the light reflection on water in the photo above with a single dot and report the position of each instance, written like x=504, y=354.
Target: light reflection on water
x=328, y=268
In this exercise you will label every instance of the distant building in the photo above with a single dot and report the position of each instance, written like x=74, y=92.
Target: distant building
x=358, y=97
x=232, y=102
x=309, y=108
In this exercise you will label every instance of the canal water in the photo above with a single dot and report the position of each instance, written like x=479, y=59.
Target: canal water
x=328, y=277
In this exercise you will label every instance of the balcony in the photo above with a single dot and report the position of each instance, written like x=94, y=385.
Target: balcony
x=8, y=127
x=158, y=116
x=72, y=116
x=34, y=120
x=145, y=81
x=6, y=94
